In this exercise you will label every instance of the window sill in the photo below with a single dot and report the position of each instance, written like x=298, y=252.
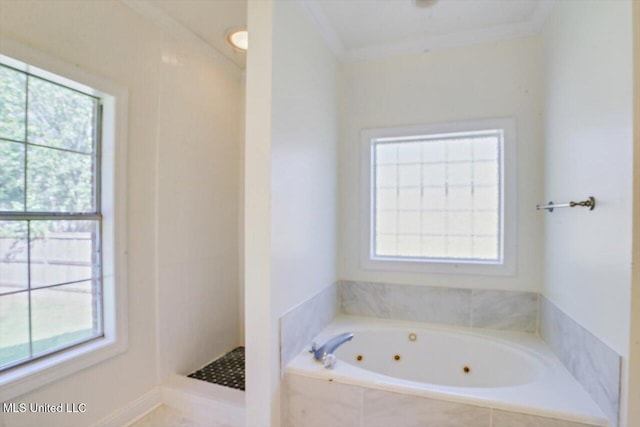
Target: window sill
x=28, y=377
x=439, y=267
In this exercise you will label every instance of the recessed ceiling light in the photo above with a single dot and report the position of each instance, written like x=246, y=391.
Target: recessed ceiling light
x=424, y=3
x=238, y=39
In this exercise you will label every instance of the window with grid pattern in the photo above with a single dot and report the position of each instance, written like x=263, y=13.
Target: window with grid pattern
x=50, y=218
x=437, y=197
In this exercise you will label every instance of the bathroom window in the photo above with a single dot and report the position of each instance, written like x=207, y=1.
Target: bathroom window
x=60, y=263
x=437, y=198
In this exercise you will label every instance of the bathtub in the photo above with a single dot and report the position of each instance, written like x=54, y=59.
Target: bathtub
x=500, y=371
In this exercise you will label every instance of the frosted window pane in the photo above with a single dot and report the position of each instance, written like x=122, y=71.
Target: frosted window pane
x=485, y=149
x=485, y=247
x=434, y=247
x=409, y=222
x=409, y=246
x=460, y=174
x=386, y=245
x=485, y=197
x=486, y=173
x=459, y=150
x=409, y=175
x=434, y=198
x=434, y=151
x=459, y=247
x=409, y=152
x=409, y=198
x=433, y=222
x=486, y=223
x=460, y=198
x=386, y=154
x=433, y=174
x=387, y=176
x=460, y=223
x=387, y=199
x=387, y=222
x=438, y=198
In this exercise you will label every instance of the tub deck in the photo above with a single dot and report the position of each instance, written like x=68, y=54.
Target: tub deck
x=553, y=393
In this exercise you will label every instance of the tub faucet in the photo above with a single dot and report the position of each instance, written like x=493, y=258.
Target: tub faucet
x=324, y=353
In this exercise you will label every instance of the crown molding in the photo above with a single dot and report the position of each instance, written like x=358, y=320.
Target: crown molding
x=494, y=34
x=324, y=28
x=181, y=33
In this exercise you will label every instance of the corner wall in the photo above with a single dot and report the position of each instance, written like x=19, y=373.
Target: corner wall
x=199, y=146
x=291, y=193
x=587, y=93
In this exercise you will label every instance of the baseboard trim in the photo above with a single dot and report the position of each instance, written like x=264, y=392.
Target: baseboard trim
x=133, y=411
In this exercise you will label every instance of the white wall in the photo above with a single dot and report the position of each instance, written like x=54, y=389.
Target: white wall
x=198, y=184
x=478, y=82
x=588, y=152
x=290, y=185
x=110, y=40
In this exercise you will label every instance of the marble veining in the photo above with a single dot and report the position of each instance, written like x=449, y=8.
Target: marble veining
x=384, y=409
x=516, y=311
x=511, y=419
x=315, y=402
x=594, y=364
x=365, y=299
x=301, y=324
x=490, y=309
x=431, y=304
x=319, y=403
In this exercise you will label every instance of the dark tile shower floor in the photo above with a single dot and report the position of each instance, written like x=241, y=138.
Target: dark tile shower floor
x=227, y=370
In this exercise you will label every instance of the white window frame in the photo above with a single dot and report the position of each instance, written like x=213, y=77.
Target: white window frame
x=507, y=266
x=114, y=98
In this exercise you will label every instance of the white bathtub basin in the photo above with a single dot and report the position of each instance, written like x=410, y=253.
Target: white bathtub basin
x=506, y=370
x=448, y=358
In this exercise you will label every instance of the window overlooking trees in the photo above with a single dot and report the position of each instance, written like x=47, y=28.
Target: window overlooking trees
x=50, y=217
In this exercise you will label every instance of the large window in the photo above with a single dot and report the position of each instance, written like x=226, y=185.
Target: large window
x=50, y=280
x=436, y=196
x=62, y=219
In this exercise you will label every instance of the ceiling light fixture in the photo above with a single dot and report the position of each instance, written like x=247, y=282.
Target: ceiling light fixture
x=238, y=38
x=424, y=3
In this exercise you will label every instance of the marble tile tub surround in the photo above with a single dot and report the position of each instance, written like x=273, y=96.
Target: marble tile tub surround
x=594, y=364
x=299, y=325
x=504, y=310
x=312, y=402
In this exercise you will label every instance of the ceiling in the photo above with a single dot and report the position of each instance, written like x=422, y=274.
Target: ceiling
x=364, y=29
x=210, y=20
